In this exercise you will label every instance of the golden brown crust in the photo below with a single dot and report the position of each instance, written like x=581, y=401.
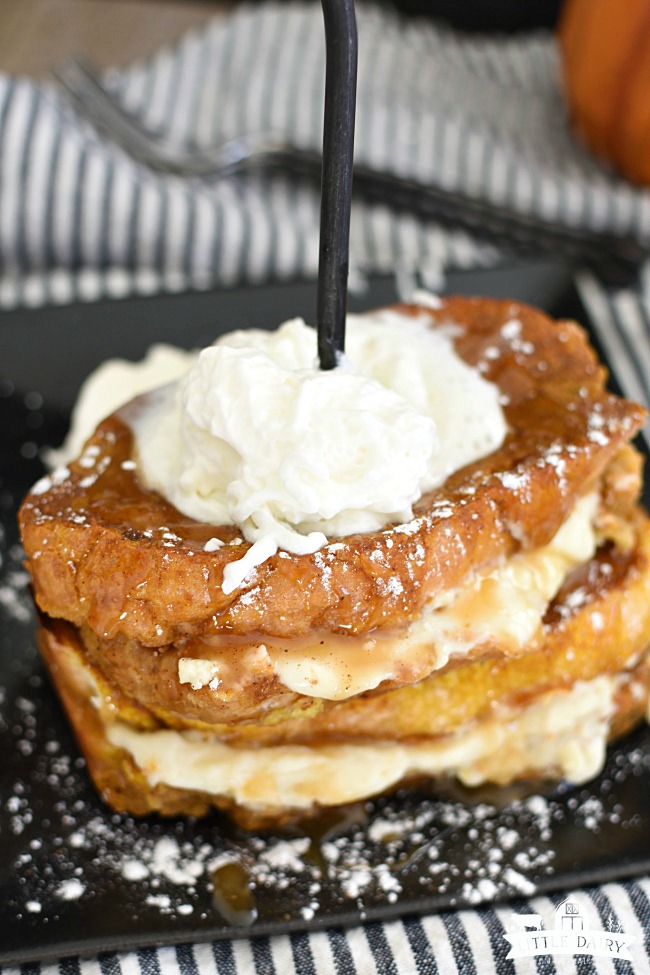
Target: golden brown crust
x=118, y=780
x=99, y=524
x=132, y=577
x=599, y=621
x=151, y=677
x=614, y=582
x=125, y=787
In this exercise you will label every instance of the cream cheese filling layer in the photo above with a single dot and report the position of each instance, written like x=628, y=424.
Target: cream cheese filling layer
x=563, y=732
x=503, y=607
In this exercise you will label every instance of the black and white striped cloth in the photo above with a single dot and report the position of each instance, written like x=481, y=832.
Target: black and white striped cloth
x=621, y=319
x=452, y=943
x=79, y=220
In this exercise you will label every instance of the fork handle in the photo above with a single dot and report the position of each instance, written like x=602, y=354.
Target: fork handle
x=616, y=260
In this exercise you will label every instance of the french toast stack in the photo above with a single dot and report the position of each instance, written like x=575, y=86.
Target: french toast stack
x=500, y=635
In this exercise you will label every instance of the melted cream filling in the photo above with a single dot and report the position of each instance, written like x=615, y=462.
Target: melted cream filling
x=503, y=608
x=564, y=732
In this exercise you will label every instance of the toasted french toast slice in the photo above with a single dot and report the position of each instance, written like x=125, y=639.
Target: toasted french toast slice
x=96, y=522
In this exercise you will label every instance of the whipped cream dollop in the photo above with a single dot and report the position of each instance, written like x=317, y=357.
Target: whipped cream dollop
x=255, y=434
x=111, y=385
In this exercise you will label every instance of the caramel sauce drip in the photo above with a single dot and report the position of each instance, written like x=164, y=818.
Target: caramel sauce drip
x=233, y=894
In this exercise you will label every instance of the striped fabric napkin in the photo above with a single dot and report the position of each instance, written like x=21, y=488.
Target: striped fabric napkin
x=452, y=943
x=79, y=220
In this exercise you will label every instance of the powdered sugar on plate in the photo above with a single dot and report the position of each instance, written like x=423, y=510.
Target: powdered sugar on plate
x=68, y=853
x=77, y=873
x=65, y=849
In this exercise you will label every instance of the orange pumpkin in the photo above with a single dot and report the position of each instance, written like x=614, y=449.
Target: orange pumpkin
x=605, y=54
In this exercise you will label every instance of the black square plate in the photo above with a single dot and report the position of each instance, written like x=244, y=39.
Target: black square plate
x=75, y=878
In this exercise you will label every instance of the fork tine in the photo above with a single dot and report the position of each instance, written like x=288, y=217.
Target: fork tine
x=91, y=100
x=617, y=258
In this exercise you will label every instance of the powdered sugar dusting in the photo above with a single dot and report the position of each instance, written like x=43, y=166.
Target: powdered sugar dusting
x=512, y=333
x=67, y=854
x=383, y=852
x=15, y=598
x=70, y=890
x=394, y=849
x=46, y=483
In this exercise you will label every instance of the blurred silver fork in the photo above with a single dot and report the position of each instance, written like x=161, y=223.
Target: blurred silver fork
x=614, y=258
x=90, y=98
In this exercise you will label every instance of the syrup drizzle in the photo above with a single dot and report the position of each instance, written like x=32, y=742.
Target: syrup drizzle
x=233, y=895
x=327, y=826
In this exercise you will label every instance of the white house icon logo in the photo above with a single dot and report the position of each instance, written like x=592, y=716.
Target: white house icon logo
x=570, y=936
